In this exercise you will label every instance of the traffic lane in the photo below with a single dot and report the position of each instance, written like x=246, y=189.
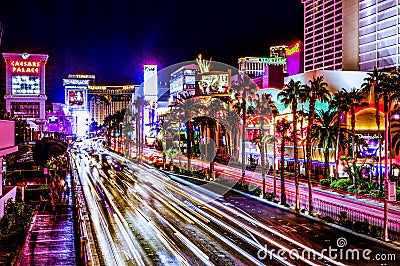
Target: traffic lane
x=219, y=252
x=108, y=243
x=163, y=217
x=309, y=232
x=152, y=250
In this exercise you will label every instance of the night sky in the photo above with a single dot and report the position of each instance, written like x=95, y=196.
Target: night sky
x=113, y=39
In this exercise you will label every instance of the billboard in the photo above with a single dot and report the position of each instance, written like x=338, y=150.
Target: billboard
x=371, y=145
x=176, y=85
x=217, y=83
x=76, y=99
x=25, y=85
x=150, y=83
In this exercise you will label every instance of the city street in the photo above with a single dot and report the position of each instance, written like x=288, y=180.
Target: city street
x=326, y=202
x=152, y=219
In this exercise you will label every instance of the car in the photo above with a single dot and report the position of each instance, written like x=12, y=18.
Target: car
x=117, y=166
x=222, y=158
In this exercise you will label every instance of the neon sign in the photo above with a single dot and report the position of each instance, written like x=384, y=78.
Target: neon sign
x=25, y=66
x=293, y=50
x=80, y=82
x=273, y=60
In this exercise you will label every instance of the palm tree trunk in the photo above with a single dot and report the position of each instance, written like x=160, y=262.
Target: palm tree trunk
x=296, y=159
x=283, y=194
x=308, y=155
x=189, y=143
x=261, y=146
x=378, y=124
x=326, y=163
x=337, y=147
x=243, y=142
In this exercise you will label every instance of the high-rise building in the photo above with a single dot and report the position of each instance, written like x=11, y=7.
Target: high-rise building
x=351, y=34
x=379, y=34
x=106, y=100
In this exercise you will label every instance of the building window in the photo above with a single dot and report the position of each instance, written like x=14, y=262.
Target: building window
x=25, y=109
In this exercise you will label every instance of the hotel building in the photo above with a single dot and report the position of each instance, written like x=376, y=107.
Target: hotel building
x=106, y=100
x=379, y=34
x=255, y=66
x=351, y=34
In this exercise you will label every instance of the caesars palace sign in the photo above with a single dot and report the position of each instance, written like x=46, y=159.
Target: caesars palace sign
x=25, y=66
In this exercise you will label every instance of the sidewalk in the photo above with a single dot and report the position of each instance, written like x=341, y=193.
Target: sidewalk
x=50, y=239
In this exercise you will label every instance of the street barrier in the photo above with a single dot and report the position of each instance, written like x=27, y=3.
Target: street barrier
x=85, y=245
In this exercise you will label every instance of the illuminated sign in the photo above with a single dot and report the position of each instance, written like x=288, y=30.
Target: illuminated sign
x=214, y=83
x=370, y=147
x=294, y=59
x=53, y=119
x=76, y=82
x=150, y=83
x=19, y=66
x=176, y=85
x=273, y=60
x=190, y=80
x=81, y=76
x=294, y=49
x=76, y=98
x=25, y=85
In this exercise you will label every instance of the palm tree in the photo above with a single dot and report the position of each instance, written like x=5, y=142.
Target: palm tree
x=138, y=105
x=244, y=88
x=376, y=85
x=282, y=127
x=355, y=96
x=188, y=107
x=289, y=96
x=302, y=116
x=263, y=106
x=395, y=122
x=232, y=128
x=325, y=134
x=311, y=93
x=339, y=103
x=216, y=109
x=346, y=101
